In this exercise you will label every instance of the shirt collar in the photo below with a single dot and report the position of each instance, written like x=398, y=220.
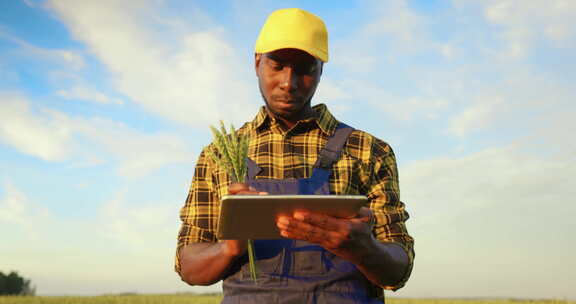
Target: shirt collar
x=324, y=119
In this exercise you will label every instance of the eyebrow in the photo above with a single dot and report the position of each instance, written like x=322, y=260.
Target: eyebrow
x=275, y=58
x=279, y=60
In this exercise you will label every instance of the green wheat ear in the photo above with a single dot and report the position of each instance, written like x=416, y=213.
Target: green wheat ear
x=231, y=153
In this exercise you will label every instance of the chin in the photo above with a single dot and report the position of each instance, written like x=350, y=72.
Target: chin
x=283, y=114
x=287, y=113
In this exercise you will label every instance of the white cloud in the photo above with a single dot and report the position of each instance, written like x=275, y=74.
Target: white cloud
x=476, y=117
x=526, y=25
x=180, y=73
x=69, y=58
x=16, y=210
x=12, y=206
x=447, y=50
x=31, y=133
x=394, y=32
x=407, y=109
x=499, y=211
x=392, y=29
x=493, y=176
x=138, y=153
x=74, y=59
x=477, y=91
x=86, y=93
x=518, y=100
x=396, y=20
x=400, y=108
x=30, y=3
x=480, y=88
x=137, y=225
x=121, y=246
x=329, y=90
x=55, y=136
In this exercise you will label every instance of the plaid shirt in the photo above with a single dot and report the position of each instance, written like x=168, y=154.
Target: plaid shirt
x=366, y=166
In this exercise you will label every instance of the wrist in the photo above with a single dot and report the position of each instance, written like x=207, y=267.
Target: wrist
x=364, y=250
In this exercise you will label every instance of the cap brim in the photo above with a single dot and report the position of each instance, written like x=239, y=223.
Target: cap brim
x=278, y=45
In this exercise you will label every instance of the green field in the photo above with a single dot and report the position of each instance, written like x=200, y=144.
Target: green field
x=209, y=299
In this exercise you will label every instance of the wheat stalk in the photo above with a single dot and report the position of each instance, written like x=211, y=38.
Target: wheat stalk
x=231, y=152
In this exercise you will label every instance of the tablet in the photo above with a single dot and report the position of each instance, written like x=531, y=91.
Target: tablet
x=254, y=216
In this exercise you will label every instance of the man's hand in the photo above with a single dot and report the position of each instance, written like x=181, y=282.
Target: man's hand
x=348, y=238
x=236, y=248
x=383, y=264
x=206, y=263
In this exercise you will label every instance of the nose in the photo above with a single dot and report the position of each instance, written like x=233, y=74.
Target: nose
x=289, y=81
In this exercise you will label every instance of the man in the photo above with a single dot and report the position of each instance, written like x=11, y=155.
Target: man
x=299, y=149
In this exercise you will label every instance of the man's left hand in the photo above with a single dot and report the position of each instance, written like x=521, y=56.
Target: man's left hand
x=345, y=237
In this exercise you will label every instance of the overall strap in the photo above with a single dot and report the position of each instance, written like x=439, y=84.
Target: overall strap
x=331, y=152
x=253, y=169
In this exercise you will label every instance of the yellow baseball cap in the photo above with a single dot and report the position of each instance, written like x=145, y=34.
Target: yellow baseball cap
x=296, y=29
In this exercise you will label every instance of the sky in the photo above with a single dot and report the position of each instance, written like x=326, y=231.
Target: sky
x=105, y=106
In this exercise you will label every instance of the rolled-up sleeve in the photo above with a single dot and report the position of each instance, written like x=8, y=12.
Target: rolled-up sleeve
x=200, y=212
x=389, y=211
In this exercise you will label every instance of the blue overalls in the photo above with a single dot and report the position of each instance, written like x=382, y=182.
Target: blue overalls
x=294, y=271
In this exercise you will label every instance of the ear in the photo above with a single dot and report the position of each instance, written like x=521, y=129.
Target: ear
x=257, y=58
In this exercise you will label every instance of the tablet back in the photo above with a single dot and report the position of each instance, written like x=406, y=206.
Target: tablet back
x=254, y=216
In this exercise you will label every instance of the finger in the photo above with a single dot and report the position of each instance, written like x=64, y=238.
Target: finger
x=293, y=228
x=324, y=238
x=244, y=189
x=235, y=188
x=323, y=221
x=305, y=232
x=248, y=193
x=283, y=222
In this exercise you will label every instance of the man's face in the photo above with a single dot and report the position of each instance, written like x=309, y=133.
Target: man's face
x=288, y=79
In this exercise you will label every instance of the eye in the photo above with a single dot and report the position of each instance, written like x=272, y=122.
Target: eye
x=276, y=66
x=306, y=69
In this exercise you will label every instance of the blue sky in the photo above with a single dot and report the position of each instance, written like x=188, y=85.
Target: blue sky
x=105, y=105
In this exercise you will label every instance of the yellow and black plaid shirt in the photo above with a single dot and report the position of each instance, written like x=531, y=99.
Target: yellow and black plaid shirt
x=366, y=166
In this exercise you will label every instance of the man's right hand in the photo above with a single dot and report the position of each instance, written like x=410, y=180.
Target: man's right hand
x=234, y=248
x=206, y=263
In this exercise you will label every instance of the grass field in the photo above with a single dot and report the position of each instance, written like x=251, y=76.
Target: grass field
x=209, y=299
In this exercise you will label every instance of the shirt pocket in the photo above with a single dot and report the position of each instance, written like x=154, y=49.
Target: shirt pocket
x=346, y=176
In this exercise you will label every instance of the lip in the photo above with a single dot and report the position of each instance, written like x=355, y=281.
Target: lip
x=286, y=100
x=286, y=104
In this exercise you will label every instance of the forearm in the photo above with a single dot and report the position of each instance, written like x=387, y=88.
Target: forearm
x=205, y=263
x=384, y=264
